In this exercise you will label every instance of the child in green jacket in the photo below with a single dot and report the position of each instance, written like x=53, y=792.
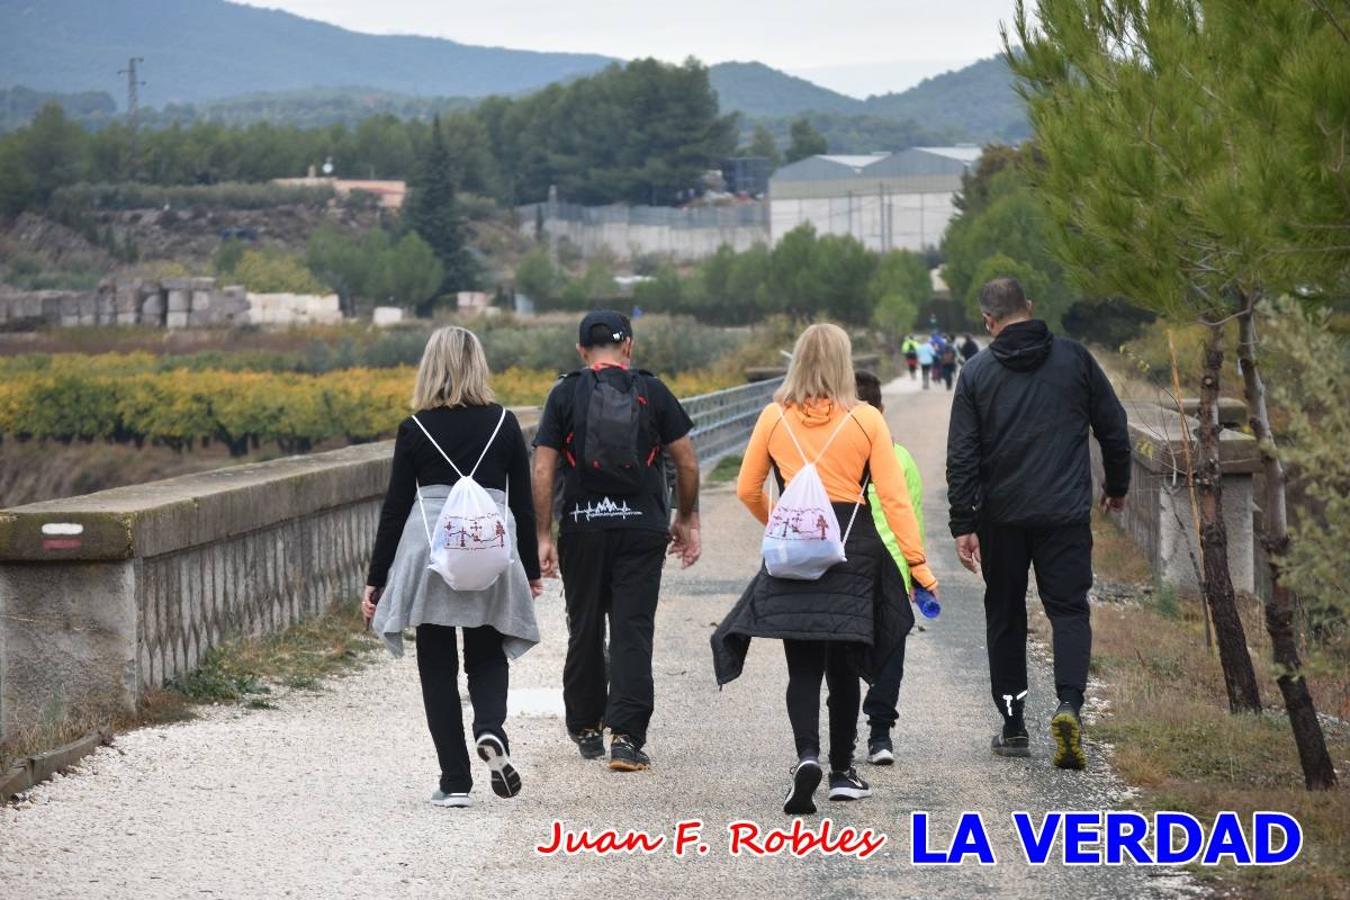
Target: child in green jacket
x=884, y=694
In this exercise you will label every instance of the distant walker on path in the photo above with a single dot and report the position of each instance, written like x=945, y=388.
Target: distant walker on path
x=1020, y=484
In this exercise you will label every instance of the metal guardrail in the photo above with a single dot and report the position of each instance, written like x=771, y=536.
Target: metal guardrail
x=724, y=419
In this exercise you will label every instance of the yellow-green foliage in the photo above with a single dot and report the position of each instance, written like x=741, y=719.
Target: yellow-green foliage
x=126, y=397
x=121, y=397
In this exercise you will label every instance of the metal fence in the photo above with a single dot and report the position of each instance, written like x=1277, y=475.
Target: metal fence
x=739, y=215
x=724, y=419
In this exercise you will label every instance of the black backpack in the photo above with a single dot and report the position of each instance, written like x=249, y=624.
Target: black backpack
x=613, y=441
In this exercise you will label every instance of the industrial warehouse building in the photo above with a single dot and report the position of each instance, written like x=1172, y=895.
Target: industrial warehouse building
x=886, y=200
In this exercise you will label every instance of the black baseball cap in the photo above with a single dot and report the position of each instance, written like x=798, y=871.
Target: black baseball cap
x=603, y=327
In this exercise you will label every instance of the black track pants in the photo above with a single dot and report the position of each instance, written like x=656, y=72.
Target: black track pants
x=614, y=574
x=1062, y=557
x=809, y=662
x=488, y=673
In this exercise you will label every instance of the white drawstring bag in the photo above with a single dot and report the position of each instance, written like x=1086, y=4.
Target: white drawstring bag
x=471, y=544
x=802, y=538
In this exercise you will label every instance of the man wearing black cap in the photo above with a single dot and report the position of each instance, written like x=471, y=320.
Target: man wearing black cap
x=608, y=425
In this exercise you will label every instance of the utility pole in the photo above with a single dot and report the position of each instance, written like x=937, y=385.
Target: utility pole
x=134, y=85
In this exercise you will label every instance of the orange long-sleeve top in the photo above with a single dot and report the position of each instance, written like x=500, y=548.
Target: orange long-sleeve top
x=865, y=441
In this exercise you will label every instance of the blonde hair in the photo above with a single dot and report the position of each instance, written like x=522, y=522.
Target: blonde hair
x=453, y=371
x=821, y=368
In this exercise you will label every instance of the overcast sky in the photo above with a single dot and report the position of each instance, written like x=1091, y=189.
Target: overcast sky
x=858, y=47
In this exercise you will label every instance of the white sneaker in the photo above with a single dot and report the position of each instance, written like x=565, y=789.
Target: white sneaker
x=456, y=800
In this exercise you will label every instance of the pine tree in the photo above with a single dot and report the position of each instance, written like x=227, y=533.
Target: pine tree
x=805, y=141
x=430, y=211
x=762, y=143
x=1194, y=163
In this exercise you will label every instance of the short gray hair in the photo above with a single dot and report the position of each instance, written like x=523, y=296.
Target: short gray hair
x=1002, y=297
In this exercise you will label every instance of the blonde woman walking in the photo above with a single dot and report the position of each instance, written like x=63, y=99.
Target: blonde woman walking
x=849, y=621
x=456, y=427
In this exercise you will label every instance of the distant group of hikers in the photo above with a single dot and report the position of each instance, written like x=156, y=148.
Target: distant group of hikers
x=937, y=356
x=836, y=593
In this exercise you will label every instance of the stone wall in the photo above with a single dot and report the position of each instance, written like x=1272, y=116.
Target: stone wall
x=167, y=303
x=105, y=595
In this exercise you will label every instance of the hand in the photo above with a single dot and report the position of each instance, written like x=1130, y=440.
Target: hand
x=548, y=557
x=685, y=541
x=968, y=551
x=536, y=587
x=1112, y=504
x=370, y=598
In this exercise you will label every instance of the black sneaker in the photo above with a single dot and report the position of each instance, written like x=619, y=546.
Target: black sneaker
x=590, y=741
x=624, y=755
x=800, y=799
x=880, y=751
x=1067, y=730
x=505, y=778
x=848, y=786
x=1015, y=744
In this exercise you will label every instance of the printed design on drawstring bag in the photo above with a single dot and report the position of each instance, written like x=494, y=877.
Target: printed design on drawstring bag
x=470, y=546
x=802, y=539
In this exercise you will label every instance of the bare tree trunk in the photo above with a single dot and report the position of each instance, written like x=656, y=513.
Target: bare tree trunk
x=1238, y=675
x=1318, y=772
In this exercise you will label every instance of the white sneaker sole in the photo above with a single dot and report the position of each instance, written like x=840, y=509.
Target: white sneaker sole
x=453, y=801
x=505, y=778
x=881, y=758
x=850, y=793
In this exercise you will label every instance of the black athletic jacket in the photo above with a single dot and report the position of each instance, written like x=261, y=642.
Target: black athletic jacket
x=1017, y=447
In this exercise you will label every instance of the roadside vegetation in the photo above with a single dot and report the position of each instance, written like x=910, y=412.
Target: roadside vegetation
x=1171, y=736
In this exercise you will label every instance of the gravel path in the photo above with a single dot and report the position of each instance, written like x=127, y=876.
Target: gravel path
x=323, y=796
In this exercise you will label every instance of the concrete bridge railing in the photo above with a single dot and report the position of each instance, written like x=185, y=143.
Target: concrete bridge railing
x=107, y=595
x=1157, y=515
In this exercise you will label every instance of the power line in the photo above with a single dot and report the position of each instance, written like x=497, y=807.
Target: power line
x=134, y=84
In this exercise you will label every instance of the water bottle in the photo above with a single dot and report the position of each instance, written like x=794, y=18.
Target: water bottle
x=927, y=603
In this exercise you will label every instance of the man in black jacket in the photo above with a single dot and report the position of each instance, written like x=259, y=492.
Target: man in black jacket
x=1020, y=484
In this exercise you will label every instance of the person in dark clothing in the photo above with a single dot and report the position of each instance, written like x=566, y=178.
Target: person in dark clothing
x=457, y=428
x=607, y=425
x=947, y=361
x=1020, y=484
x=968, y=348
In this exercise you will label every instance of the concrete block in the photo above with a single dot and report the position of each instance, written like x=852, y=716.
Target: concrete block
x=201, y=301
x=177, y=319
x=385, y=316
x=180, y=301
x=152, y=309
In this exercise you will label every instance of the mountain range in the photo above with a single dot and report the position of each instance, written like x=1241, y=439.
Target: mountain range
x=244, y=61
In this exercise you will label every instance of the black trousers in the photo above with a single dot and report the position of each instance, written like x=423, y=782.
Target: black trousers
x=1062, y=558
x=809, y=662
x=883, y=697
x=615, y=575
x=488, y=672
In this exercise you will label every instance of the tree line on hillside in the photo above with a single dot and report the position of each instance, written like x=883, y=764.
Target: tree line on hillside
x=641, y=133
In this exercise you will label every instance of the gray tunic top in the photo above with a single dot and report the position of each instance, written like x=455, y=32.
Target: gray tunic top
x=414, y=595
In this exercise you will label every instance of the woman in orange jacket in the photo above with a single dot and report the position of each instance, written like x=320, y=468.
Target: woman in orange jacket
x=856, y=615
